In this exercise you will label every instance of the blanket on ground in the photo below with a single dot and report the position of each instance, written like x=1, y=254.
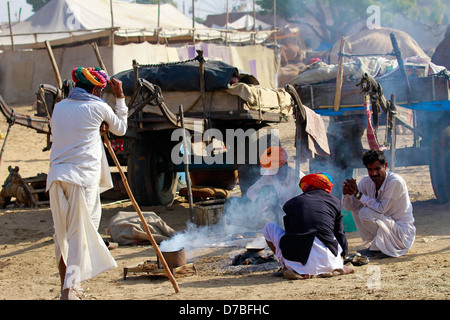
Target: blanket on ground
x=126, y=228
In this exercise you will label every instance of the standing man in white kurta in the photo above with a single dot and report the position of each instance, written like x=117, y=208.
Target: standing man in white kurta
x=78, y=172
x=381, y=208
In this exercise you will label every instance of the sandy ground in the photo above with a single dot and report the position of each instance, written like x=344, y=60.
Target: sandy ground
x=28, y=268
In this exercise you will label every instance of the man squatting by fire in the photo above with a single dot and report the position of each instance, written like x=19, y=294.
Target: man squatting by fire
x=381, y=208
x=277, y=175
x=78, y=172
x=313, y=241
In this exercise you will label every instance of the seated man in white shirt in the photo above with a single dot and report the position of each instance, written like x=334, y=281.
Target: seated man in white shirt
x=381, y=208
x=78, y=171
x=283, y=180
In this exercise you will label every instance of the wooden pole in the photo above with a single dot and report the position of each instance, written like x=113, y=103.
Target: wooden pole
x=158, y=22
x=339, y=77
x=193, y=22
x=300, y=123
x=158, y=30
x=54, y=64
x=254, y=15
x=254, y=23
x=401, y=66
x=10, y=29
x=98, y=55
x=159, y=13
x=226, y=24
x=201, y=61
x=141, y=216
x=193, y=14
x=111, y=38
x=393, y=131
x=186, y=165
x=275, y=19
x=274, y=14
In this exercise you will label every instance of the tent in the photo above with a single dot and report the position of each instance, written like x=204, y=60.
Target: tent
x=69, y=21
x=247, y=22
x=376, y=41
x=70, y=26
x=21, y=72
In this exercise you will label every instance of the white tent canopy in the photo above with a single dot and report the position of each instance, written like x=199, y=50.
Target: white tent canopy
x=68, y=21
x=22, y=71
x=247, y=22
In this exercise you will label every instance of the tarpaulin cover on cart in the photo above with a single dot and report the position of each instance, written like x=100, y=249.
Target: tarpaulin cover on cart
x=182, y=76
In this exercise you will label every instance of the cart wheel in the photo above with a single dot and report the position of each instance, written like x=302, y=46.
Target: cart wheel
x=163, y=181
x=440, y=162
x=149, y=176
x=137, y=174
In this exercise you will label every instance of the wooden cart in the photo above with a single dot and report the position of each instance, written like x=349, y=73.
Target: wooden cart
x=421, y=104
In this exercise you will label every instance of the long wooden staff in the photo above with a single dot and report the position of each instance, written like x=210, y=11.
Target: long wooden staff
x=141, y=216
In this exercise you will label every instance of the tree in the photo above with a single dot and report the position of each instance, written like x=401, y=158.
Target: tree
x=331, y=19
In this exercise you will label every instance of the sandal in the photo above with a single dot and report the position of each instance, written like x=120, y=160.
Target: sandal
x=279, y=272
x=356, y=259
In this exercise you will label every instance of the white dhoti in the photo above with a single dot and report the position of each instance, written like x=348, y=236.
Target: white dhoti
x=391, y=237
x=76, y=215
x=321, y=259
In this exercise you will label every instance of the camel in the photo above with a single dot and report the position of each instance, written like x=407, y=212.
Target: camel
x=291, y=53
x=441, y=55
x=14, y=187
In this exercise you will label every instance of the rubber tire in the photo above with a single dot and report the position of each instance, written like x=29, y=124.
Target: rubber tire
x=163, y=184
x=440, y=161
x=137, y=174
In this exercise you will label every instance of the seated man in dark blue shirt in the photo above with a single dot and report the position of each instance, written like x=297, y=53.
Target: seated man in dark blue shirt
x=314, y=240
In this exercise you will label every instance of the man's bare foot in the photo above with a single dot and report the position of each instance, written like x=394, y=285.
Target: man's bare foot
x=292, y=275
x=69, y=294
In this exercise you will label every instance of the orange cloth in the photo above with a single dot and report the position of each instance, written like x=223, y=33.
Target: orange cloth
x=317, y=180
x=273, y=158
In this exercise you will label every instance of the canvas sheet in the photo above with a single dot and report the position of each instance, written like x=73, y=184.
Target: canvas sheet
x=254, y=98
x=322, y=72
x=126, y=228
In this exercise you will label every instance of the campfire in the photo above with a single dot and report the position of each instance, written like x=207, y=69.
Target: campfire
x=253, y=256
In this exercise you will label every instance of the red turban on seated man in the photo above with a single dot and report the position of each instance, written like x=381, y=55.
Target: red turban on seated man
x=319, y=180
